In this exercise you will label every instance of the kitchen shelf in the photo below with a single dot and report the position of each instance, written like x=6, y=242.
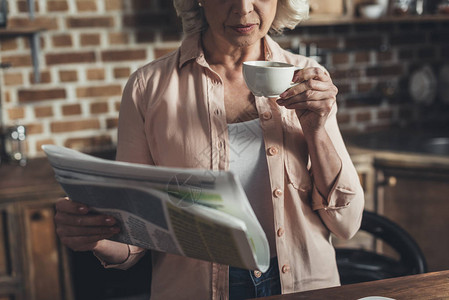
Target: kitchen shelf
x=32, y=32
x=329, y=20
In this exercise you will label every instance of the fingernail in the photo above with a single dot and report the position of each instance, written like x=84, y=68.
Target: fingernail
x=109, y=220
x=283, y=95
x=82, y=209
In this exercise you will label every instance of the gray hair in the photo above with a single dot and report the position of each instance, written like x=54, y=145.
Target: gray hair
x=288, y=15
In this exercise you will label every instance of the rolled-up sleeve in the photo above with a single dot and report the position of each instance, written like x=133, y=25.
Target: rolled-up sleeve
x=342, y=209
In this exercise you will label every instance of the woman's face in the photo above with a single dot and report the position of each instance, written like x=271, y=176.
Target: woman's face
x=239, y=22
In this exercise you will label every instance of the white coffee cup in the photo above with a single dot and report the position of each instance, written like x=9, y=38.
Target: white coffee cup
x=268, y=78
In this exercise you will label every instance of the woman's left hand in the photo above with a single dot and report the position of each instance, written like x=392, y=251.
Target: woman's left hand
x=312, y=98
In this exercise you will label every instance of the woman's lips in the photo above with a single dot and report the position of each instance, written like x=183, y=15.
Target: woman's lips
x=242, y=29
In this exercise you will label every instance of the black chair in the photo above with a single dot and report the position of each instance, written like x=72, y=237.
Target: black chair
x=358, y=265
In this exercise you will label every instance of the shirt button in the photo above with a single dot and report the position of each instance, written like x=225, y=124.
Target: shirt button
x=267, y=115
x=273, y=151
x=303, y=188
x=278, y=193
x=220, y=144
x=285, y=268
x=257, y=274
x=217, y=112
x=281, y=232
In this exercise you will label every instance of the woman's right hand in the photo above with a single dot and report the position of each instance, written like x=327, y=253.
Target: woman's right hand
x=80, y=230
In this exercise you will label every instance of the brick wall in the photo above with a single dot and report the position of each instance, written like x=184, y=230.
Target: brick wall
x=90, y=47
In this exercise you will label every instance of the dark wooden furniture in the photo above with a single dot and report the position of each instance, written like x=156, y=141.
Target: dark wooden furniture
x=33, y=265
x=423, y=286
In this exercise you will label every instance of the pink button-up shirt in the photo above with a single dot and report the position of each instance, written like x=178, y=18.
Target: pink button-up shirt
x=173, y=114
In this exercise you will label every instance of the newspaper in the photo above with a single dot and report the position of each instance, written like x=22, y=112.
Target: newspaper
x=196, y=213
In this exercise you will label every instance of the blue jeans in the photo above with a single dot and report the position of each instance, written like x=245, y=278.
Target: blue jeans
x=244, y=284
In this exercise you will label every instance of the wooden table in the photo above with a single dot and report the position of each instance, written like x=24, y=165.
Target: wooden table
x=423, y=287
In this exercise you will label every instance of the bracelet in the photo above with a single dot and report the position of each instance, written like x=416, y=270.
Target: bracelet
x=107, y=264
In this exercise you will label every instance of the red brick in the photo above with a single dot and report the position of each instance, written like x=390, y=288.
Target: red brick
x=95, y=74
x=90, y=39
x=118, y=38
x=385, y=56
x=89, y=142
x=343, y=118
x=340, y=58
x=62, y=40
x=345, y=73
x=43, y=111
x=112, y=123
x=86, y=5
x=98, y=108
x=171, y=35
x=70, y=126
x=22, y=6
x=90, y=22
x=343, y=88
x=364, y=87
x=124, y=72
x=34, y=128
x=70, y=58
x=123, y=55
x=145, y=36
x=49, y=23
x=57, y=6
x=7, y=96
x=12, y=79
x=385, y=70
x=159, y=52
x=362, y=56
x=385, y=114
x=68, y=76
x=366, y=41
x=114, y=5
x=45, y=77
x=377, y=127
x=363, y=116
x=28, y=46
x=71, y=109
x=148, y=19
x=26, y=96
x=8, y=44
x=407, y=39
x=117, y=106
x=322, y=43
x=16, y=113
x=140, y=5
x=99, y=91
x=17, y=60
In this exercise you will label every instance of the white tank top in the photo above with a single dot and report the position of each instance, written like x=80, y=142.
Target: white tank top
x=248, y=161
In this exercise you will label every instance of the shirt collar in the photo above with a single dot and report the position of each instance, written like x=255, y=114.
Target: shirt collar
x=191, y=48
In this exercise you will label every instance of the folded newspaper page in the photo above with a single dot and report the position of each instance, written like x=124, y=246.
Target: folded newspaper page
x=201, y=214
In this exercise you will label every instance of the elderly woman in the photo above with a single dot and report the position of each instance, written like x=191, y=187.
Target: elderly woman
x=189, y=109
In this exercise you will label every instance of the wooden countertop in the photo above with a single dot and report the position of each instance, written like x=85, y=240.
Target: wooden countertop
x=36, y=177
x=398, y=159
x=423, y=286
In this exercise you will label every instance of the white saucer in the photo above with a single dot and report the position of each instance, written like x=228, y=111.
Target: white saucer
x=375, y=298
x=422, y=85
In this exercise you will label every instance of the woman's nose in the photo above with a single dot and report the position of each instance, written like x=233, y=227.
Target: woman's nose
x=243, y=7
